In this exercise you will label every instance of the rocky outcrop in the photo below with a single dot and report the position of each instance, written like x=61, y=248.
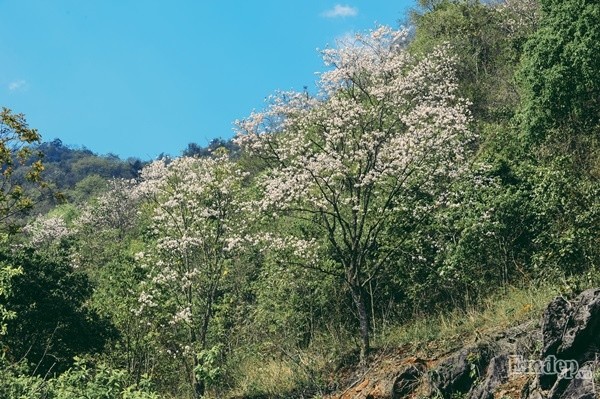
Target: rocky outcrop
x=571, y=332
x=572, y=329
x=457, y=373
x=558, y=360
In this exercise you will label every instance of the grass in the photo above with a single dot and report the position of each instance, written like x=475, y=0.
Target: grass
x=448, y=330
x=281, y=376
x=270, y=377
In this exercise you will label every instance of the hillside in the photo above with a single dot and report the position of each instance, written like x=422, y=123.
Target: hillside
x=430, y=212
x=552, y=354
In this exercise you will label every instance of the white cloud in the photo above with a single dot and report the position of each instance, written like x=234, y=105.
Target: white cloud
x=17, y=85
x=340, y=11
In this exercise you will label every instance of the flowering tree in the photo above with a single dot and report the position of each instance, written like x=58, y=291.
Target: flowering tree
x=101, y=230
x=521, y=16
x=48, y=233
x=197, y=221
x=116, y=210
x=382, y=139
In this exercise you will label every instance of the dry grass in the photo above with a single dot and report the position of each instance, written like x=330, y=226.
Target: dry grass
x=277, y=377
x=445, y=331
x=269, y=377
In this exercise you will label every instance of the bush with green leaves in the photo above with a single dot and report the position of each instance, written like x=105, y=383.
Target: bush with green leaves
x=52, y=322
x=559, y=70
x=85, y=379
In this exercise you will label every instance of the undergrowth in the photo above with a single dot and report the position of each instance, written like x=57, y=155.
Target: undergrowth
x=314, y=369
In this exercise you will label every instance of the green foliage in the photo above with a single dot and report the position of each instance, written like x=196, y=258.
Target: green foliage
x=195, y=150
x=487, y=51
x=292, y=304
x=569, y=206
x=79, y=173
x=109, y=232
x=180, y=280
x=52, y=323
x=207, y=365
x=99, y=381
x=559, y=120
x=91, y=186
x=84, y=380
x=17, y=142
x=479, y=234
x=559, y=71
x=17, y=383
x=7, y=273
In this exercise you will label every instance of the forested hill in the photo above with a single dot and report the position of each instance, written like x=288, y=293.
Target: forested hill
x=69, y=169
x=79, y=174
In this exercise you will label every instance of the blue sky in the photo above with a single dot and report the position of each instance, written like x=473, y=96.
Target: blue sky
x=141, y=77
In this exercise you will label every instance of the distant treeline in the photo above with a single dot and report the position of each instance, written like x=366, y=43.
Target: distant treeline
x=79, y=173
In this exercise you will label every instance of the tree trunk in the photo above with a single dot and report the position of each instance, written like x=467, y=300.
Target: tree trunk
x=359, y=298
x=199, y=388
x=198, y=384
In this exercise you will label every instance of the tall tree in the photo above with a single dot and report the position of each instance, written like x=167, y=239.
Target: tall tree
x=386, y=134
x=198, y=218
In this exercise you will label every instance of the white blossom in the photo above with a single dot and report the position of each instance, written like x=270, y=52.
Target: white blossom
x=381, y=141
x=48, y=230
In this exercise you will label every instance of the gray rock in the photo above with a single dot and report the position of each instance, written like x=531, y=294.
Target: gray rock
x=532, y=391
x=580, y=387
x=555, y=319
x=582, y=332
x=496, y=374
x=457, y=373
x=571, y=331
